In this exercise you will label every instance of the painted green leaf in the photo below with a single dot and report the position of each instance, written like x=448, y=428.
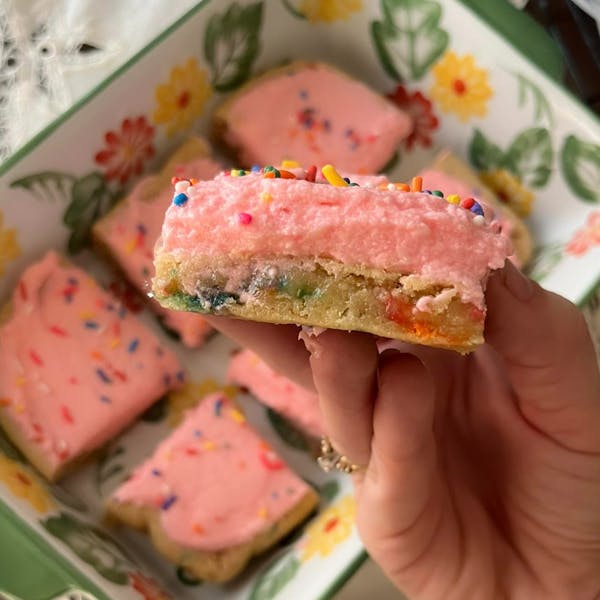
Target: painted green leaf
x=483, y=154
x=47, y=185
x=91, y=545
x=274, y=578
x=90, y=200
x=580, y=163
x=541, y=106
x=530, y=156
x=329, y=490
x=293, y=10
x=232, y=43
x=108, y=466
x=544, y=260
x=409, y=39
x=290, y=434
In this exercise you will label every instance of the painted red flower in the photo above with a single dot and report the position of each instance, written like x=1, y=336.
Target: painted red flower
x=586, y=237
x=126, y=150
x=146, y=587
x=421, y=111
x=127, y=294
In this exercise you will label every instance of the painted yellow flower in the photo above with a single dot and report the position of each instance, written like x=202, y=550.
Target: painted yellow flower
x=329, y=11
x=9, y=246
x=182, y=98
x=22, y=483
x=331, y=528
x=509, y=189
x=460, y=86
x=188, y=396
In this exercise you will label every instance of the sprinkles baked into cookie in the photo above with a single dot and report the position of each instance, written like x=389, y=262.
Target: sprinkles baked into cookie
x=286, y=246
x=77, y=367
x=213, y=494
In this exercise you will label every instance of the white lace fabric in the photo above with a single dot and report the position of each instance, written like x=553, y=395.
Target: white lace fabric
x=53, y=51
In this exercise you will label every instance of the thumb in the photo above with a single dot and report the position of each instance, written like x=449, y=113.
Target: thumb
x=403, y=507
x=548, y=357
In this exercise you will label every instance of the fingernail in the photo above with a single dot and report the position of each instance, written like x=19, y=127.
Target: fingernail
x=520, y=286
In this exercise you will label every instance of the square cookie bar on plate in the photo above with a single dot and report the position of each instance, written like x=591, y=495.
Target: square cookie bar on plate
x=213, y=494
x=128, y=233
x=312, y=113
x=76, y=367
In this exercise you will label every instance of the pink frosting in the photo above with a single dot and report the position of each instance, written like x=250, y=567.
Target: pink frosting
x=253, y=216
x=76, y=366
x=276, y=391
x=131, y=237
x=315, y=115
x=215, y=482
x=438, y=180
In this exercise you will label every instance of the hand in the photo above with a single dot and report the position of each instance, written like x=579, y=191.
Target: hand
x=482, y=476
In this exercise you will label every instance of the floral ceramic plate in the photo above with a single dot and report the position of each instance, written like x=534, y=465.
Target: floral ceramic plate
x=467, y=88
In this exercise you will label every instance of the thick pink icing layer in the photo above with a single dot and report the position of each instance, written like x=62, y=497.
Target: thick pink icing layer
x=279, y=393
x=315, y=115
x=401, y=232
x=215, y=482
x=131, y=237
x=76, y=366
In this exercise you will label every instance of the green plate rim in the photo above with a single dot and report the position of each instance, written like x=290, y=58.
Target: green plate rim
x=71, y=572
x=526, y=35
x=532, y=41
x=517, y=28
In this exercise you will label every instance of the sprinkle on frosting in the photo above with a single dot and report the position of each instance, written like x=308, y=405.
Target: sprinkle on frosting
x=333, y=177
x=416, y=184
x=244, y=218
x=168, y=502
x=180, y=199
x=290, y=164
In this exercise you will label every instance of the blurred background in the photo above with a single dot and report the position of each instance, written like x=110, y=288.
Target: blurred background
x=52, y=52
x=574, y=25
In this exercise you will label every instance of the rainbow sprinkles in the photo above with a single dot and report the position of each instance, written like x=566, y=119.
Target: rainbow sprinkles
x=330, y=175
